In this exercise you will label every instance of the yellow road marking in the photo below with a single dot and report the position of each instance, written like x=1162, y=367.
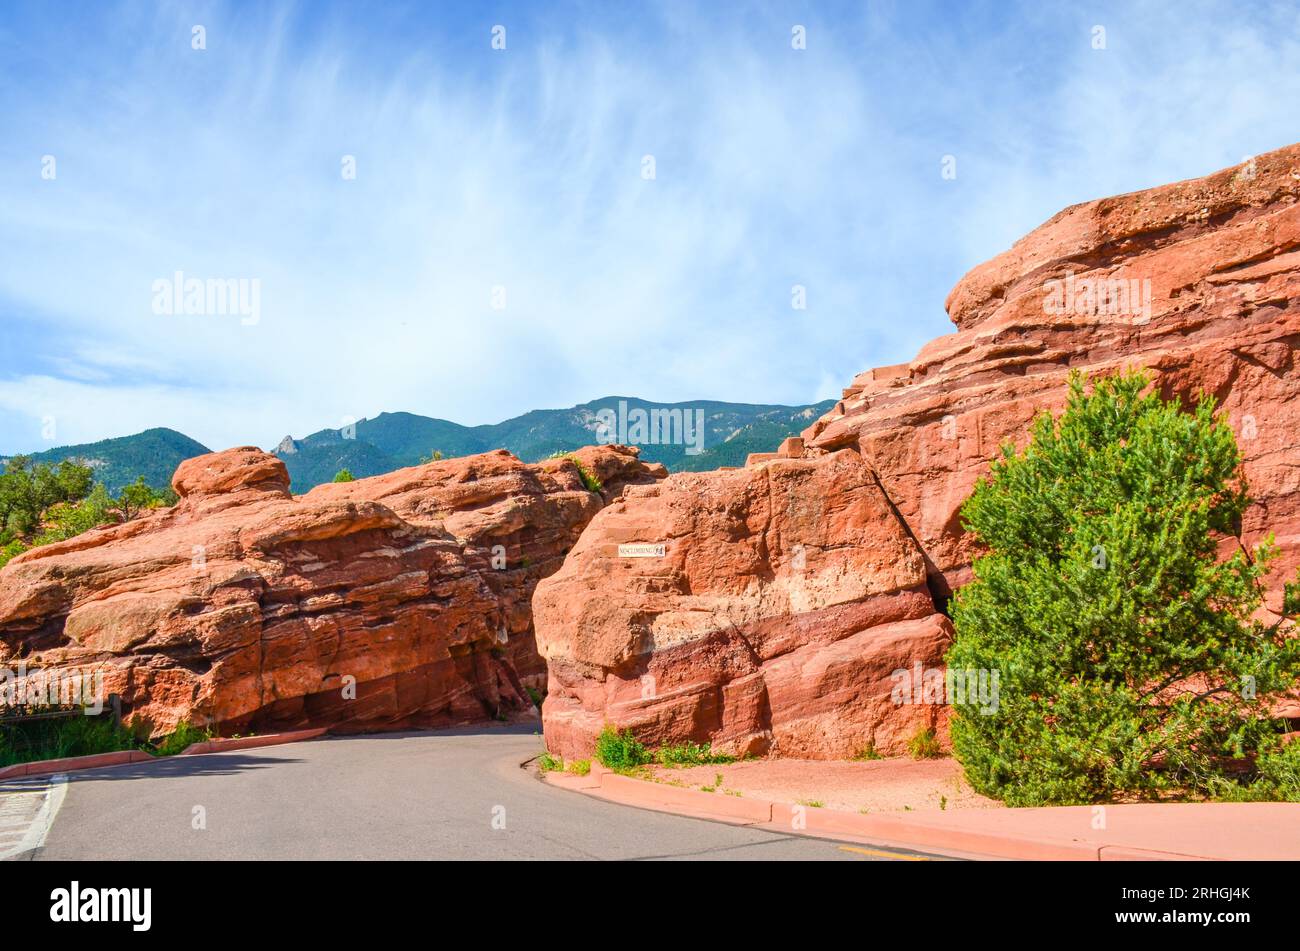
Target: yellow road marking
x=888, y=855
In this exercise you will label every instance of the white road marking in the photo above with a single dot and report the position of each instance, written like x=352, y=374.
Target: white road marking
x=33, y=811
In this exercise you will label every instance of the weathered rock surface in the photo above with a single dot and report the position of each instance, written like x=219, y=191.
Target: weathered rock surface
x=1217, y=308
x=1198, y=281
x=514, y=522
x=245, y=607
x=787, y=595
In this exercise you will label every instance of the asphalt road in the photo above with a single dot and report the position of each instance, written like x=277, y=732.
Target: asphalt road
x=447, y=795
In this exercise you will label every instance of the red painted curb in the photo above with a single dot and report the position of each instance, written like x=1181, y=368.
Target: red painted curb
x=896, y=831
x=572, y=780
x=45, y=767
x=250, y=742
x=915, y=833
x=48, y=767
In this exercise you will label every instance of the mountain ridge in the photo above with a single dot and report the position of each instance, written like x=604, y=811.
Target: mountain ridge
x=392, y=440
x=118, y=461
x=723, y=432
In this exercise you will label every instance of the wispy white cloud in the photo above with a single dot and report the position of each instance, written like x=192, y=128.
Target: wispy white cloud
x=523, y=169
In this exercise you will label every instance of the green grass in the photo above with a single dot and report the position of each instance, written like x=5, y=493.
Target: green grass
x=548, y=763
x=717, y=784
x=34, y=740
x=67, y=736
x=923, y=744
x=623, y=752
x=579, y=767
x=620, y=751
x=180, y=739
x=690, y=754
x=812, y=803
x=867, y=753
x=588, y=477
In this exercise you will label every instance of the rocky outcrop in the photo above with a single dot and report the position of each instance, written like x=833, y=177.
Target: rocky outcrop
x=514, y=522
x=1197, y=281
x=385, y=602
x=763, y=610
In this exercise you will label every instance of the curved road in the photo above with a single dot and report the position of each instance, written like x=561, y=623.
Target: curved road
x=457, y=794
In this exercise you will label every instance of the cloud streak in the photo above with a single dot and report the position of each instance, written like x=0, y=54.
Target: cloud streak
x=522, y=169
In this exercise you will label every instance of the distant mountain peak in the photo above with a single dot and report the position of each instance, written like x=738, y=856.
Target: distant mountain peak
x=392, y=440
x=117, y=462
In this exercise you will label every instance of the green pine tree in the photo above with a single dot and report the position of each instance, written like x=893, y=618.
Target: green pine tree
x=1128, y=659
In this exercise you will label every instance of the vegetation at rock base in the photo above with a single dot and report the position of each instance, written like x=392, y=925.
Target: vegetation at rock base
x=1130, y=659
x=78, y=735
x=923, y=744
x=66, y=736
x=620, y=751
x=868, y=753
x=548, y=763
x=180, y=739
x=344, y=475
x=690, y=754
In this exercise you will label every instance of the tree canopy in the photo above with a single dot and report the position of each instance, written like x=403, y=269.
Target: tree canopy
x=1130, y=659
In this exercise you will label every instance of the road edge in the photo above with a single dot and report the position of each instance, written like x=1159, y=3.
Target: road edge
x=911, y=832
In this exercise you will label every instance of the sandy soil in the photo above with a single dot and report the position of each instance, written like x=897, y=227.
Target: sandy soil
x=887, y=785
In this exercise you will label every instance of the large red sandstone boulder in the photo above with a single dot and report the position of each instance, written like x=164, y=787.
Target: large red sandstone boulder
x=1219, y=258
x=515, y=522
x=1197, y=281
x=247, y=608
x=786, y=597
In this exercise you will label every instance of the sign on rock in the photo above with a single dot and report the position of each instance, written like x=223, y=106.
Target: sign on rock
x=642, y=551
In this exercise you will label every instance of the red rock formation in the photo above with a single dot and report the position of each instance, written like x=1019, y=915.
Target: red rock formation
x=248, y=608
x=514, y=522
x=1220, y=259
x=1198, y=281
x=786, y=596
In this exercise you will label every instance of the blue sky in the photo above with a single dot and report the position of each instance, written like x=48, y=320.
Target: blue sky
x=522, y=169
